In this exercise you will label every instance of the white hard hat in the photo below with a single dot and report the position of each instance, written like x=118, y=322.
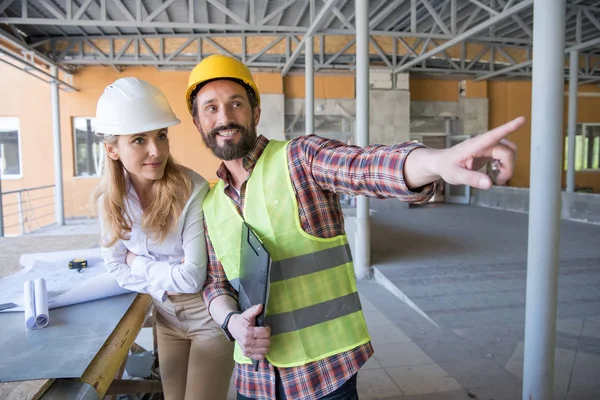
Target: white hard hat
x=131, y=105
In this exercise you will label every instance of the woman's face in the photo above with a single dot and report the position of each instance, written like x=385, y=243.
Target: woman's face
x=144, y=155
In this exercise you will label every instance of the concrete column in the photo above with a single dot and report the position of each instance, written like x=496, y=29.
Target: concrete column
x=58, y=180
x=572, y=125
x=544, y=198
x=309, y=73
x=362, y=254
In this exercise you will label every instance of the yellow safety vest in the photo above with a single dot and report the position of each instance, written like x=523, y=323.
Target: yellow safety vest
x=313, y=310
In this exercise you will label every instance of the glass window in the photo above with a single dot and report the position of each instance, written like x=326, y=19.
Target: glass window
x=10, y=151
x=89, y=151
x=587, y=147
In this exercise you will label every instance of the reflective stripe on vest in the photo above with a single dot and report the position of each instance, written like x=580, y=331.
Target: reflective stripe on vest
x=314, y=310
x=306, y=264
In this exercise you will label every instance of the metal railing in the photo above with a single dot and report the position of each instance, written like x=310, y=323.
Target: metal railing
x=22, y=210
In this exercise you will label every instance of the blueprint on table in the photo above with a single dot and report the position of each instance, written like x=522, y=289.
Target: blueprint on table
x=65, y=286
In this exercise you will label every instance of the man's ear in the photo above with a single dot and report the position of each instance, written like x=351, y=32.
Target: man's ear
x=111, y=151
x=256, y=115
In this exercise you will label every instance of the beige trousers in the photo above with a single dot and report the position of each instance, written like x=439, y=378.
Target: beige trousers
x=195, y=357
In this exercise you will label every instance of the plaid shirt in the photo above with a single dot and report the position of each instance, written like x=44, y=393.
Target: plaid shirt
x=320, y=169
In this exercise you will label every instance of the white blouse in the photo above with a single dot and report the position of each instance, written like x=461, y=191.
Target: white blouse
x=158, y=268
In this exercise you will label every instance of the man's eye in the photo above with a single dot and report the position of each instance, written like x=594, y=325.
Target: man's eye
x=138, y=141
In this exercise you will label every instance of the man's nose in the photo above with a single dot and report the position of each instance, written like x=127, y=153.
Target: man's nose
x=225, y=116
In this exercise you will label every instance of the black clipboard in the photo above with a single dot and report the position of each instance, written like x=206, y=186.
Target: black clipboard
x=255, y=272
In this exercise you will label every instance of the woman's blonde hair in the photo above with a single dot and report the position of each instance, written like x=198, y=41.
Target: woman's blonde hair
x=168, y=197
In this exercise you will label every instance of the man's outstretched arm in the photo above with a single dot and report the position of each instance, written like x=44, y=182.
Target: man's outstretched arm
x=458, y=165
x=405, y=170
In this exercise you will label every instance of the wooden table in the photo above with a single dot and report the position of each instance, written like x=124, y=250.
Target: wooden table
x=109, y=359
x=98, y=378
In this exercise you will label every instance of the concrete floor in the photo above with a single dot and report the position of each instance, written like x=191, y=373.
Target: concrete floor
x=463, y=270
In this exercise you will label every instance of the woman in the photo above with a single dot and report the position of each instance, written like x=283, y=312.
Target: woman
x=153, y=237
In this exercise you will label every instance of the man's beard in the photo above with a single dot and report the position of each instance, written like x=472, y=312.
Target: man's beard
x=231, y=150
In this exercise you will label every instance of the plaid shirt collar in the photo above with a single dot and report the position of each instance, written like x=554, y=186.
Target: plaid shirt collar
x=249, y=160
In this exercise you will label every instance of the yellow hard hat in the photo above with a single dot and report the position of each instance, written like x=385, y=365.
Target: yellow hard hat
x=219, y=66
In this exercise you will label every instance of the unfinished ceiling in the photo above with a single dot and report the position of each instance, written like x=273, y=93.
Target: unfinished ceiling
x=478, y=38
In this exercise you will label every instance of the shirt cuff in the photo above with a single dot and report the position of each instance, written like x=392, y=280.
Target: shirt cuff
x=137, y=266
x=424, y=193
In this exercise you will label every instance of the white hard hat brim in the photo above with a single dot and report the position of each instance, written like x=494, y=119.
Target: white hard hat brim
x=118, y=130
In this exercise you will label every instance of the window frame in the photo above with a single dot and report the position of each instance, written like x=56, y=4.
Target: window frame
x=20, y=150
x=74, y=136
x=580, y=149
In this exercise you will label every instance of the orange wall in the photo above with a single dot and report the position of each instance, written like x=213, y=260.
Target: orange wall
x=476, y=90
x=30, y=101
x=326, y=86
x=510, y=99
x=433, y=89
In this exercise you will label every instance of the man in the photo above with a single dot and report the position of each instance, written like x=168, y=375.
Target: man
x=316, y=339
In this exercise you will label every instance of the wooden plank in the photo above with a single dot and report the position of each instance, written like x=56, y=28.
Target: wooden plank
x=103, y=368
x=30, y=390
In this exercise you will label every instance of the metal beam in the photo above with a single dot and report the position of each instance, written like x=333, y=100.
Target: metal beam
x=484, y=7
x=502, y=71
x=332, y=16
x=152, y=24
x=159, y=10
x=469, y=21
x=81, y=10
x=381, y=54
x=277, y=11
x=219, y=6
x=436, y=17
x=219, y=47
x=42, y=58
x=385, y=13
x=311, y=30
x=267, y=48
x=519, y=21
x=478, y=57
x=148, y=48
x=340, y=52
x=4, y=5
x=302, y=12
x=48, y=5
x=124, y=10
x=465, y=35
x=342, y=18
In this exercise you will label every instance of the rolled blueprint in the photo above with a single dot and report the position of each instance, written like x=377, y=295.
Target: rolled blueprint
x=41, y=303
x=35, y=299
x=29, y=304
